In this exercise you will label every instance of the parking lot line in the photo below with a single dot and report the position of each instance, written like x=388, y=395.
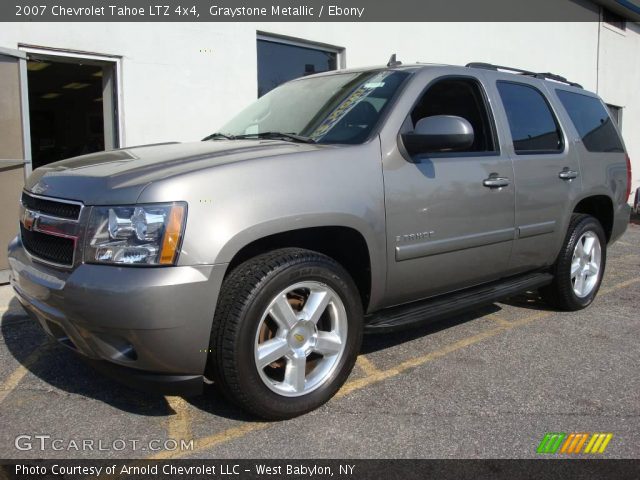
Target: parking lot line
x=624, y=258
x=618, y=286
x=499, y=320
x=415, y=362
x=626, y=244
x=179, y=424
x=18, y=374
x=532, y=318
x=366, y=365
x=376, y=377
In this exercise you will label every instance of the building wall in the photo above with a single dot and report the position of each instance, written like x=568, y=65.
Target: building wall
x=619, y=84
x=182, y=81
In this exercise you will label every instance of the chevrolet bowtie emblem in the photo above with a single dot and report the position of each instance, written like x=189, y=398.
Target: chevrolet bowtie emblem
x=298, y=337
x=29, y=219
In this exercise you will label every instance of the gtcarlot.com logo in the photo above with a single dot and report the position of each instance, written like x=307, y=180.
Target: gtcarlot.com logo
x=573, y=443
x=47, y=442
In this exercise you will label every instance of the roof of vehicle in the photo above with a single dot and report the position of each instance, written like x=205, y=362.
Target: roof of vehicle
x=415, y=67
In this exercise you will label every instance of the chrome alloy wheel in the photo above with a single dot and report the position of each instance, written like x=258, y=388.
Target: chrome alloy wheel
x=585, y=264
x=300, y=338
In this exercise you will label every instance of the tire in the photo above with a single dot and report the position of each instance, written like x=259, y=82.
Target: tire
x=574, y=289
x=271, y=298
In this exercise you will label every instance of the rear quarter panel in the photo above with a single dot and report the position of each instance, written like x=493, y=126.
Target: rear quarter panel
x=602, y=173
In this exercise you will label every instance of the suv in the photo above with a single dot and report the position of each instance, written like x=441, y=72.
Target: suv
x=346, y=202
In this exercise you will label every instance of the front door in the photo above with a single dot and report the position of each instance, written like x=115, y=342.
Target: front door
x=450, y=216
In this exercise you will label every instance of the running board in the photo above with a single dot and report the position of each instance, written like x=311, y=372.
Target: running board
x=438, y=308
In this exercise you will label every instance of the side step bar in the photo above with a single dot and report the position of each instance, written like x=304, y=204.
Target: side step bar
x=438, y=308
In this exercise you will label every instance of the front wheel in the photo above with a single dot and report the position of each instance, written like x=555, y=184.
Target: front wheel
x=286, y=332
x=580, y=265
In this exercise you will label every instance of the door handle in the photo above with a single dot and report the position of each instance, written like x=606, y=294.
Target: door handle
x=567, y=174
x=495, y=182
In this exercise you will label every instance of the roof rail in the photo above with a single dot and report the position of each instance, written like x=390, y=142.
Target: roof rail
x=543, y=76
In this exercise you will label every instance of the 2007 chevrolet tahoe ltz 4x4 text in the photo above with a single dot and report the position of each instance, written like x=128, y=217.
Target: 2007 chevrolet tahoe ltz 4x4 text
x=340, y=203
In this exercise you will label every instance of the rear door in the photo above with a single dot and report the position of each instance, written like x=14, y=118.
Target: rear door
x=546, y=170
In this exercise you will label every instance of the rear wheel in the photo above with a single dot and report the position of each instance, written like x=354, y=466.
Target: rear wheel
x=580, y=265
x=286, y=333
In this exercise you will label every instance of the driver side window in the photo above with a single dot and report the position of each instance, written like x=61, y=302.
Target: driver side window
x=460, y=97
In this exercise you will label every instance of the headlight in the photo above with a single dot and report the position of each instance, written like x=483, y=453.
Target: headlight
x=138, y=234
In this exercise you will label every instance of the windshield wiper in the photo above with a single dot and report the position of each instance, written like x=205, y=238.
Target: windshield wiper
x=278, y=135
x=218, y=135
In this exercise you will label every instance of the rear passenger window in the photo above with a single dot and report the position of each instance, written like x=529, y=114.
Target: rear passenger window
x=593, y=123
x=533, y=127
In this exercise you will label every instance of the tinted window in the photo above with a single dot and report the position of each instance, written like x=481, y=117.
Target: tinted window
x=460, y=97
x=533, y=127
x=279, y=62
x=593, y=123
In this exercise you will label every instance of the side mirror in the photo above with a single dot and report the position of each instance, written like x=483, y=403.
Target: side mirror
x=439, y=133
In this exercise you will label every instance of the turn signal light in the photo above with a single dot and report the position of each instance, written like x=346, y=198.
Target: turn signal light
x=172, y=235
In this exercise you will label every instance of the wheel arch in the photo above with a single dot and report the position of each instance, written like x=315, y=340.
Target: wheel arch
x=345, y=244
x=598, y=206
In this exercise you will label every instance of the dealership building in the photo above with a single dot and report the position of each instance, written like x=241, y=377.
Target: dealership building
x=74, y=88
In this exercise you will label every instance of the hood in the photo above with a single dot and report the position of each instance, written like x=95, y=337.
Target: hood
x=119, y=176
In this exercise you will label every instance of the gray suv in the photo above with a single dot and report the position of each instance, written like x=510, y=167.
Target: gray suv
x=354, y=201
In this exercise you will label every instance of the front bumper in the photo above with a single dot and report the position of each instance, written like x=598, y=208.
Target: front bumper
x=146, y=326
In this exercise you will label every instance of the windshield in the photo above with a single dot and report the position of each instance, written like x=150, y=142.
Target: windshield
x=341, y=108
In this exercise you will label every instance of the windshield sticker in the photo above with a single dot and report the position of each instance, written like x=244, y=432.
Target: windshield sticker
x=347, y=105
